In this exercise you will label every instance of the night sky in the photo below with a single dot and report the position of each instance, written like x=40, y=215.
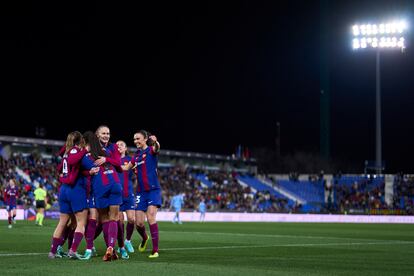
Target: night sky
x=205, y=76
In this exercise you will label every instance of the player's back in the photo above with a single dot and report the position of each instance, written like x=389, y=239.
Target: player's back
x=106, y=175
x=70, y=165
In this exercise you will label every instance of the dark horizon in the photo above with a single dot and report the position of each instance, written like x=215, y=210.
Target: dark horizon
x=206, y=77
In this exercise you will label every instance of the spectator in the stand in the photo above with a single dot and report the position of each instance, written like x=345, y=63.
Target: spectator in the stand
x=329, y=196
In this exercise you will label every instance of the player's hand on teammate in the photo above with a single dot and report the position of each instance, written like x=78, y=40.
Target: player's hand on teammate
x=94, y=171
x=100, y=161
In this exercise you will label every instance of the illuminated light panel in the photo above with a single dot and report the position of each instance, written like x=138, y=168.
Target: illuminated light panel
x=383, y=35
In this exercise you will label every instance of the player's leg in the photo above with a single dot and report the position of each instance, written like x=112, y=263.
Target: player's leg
x=81, y=218
x=9, y=218
x=41, y=215
x=175, y=216
x=103, y=214
x=38, y=211
x=121, y=243
x=115, y=200
x=57, y=234
x=140, y=209
x=178, y=216
x=71, y=231
x=14, y=215
x=139, y=222
x=90, y=233
x=130, y=230
x=111, y=228
x=153, y=225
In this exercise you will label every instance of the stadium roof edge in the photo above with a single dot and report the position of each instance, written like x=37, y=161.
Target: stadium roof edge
x=166, y=152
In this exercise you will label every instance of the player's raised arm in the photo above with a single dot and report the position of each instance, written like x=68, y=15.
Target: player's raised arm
x=156, y=145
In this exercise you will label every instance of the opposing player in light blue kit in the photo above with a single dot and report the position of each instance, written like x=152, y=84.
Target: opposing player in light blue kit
x=177, y=202
x=202, y=208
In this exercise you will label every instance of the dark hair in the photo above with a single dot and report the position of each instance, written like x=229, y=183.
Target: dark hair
x=146, y=135
x=95, y=147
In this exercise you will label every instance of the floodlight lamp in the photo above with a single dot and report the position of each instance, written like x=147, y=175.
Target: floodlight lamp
x=383, y=35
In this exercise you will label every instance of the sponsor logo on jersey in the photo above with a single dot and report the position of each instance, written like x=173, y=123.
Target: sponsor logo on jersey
x=108, y=172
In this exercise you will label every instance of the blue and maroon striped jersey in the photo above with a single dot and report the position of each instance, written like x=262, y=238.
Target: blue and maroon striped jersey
x=113, y=156
x=106, y=175
x=70, y=165
x=10, y=195
x=126, y=178
x=146, y=161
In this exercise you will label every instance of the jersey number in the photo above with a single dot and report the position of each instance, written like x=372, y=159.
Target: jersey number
x=138, y=199
x=65, y=166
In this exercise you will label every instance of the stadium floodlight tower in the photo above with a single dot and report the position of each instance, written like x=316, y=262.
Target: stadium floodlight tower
x=379, y=37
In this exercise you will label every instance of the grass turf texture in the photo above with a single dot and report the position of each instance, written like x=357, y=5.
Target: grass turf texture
x=227, y=249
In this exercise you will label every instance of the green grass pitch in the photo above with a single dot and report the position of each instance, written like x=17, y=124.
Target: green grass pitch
x=227, y=249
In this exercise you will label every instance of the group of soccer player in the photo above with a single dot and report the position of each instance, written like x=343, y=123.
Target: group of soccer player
x=96, y=179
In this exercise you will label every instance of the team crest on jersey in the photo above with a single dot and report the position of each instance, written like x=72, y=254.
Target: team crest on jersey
x=73, y=151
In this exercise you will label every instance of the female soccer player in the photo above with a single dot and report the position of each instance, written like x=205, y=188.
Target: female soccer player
x=202, y=209
x=106, y=188
x=177, y=202
x=148, y=195
x=10, y=195
x=93, y=212
x=128, y=203
x=72, y=196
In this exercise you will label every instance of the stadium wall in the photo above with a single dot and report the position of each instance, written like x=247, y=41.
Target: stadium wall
x=249, y=217
x=267, y=217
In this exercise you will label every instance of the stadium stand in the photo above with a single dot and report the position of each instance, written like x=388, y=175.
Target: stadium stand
x=226, y=184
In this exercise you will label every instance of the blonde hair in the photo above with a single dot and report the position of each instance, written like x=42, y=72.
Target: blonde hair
x=74, y=138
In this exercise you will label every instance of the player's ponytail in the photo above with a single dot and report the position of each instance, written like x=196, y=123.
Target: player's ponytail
x=95, y=147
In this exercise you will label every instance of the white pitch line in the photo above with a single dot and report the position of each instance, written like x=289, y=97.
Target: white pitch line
x=20, y=254
x=247, y=246
x=286, y=245
x=272, y=236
